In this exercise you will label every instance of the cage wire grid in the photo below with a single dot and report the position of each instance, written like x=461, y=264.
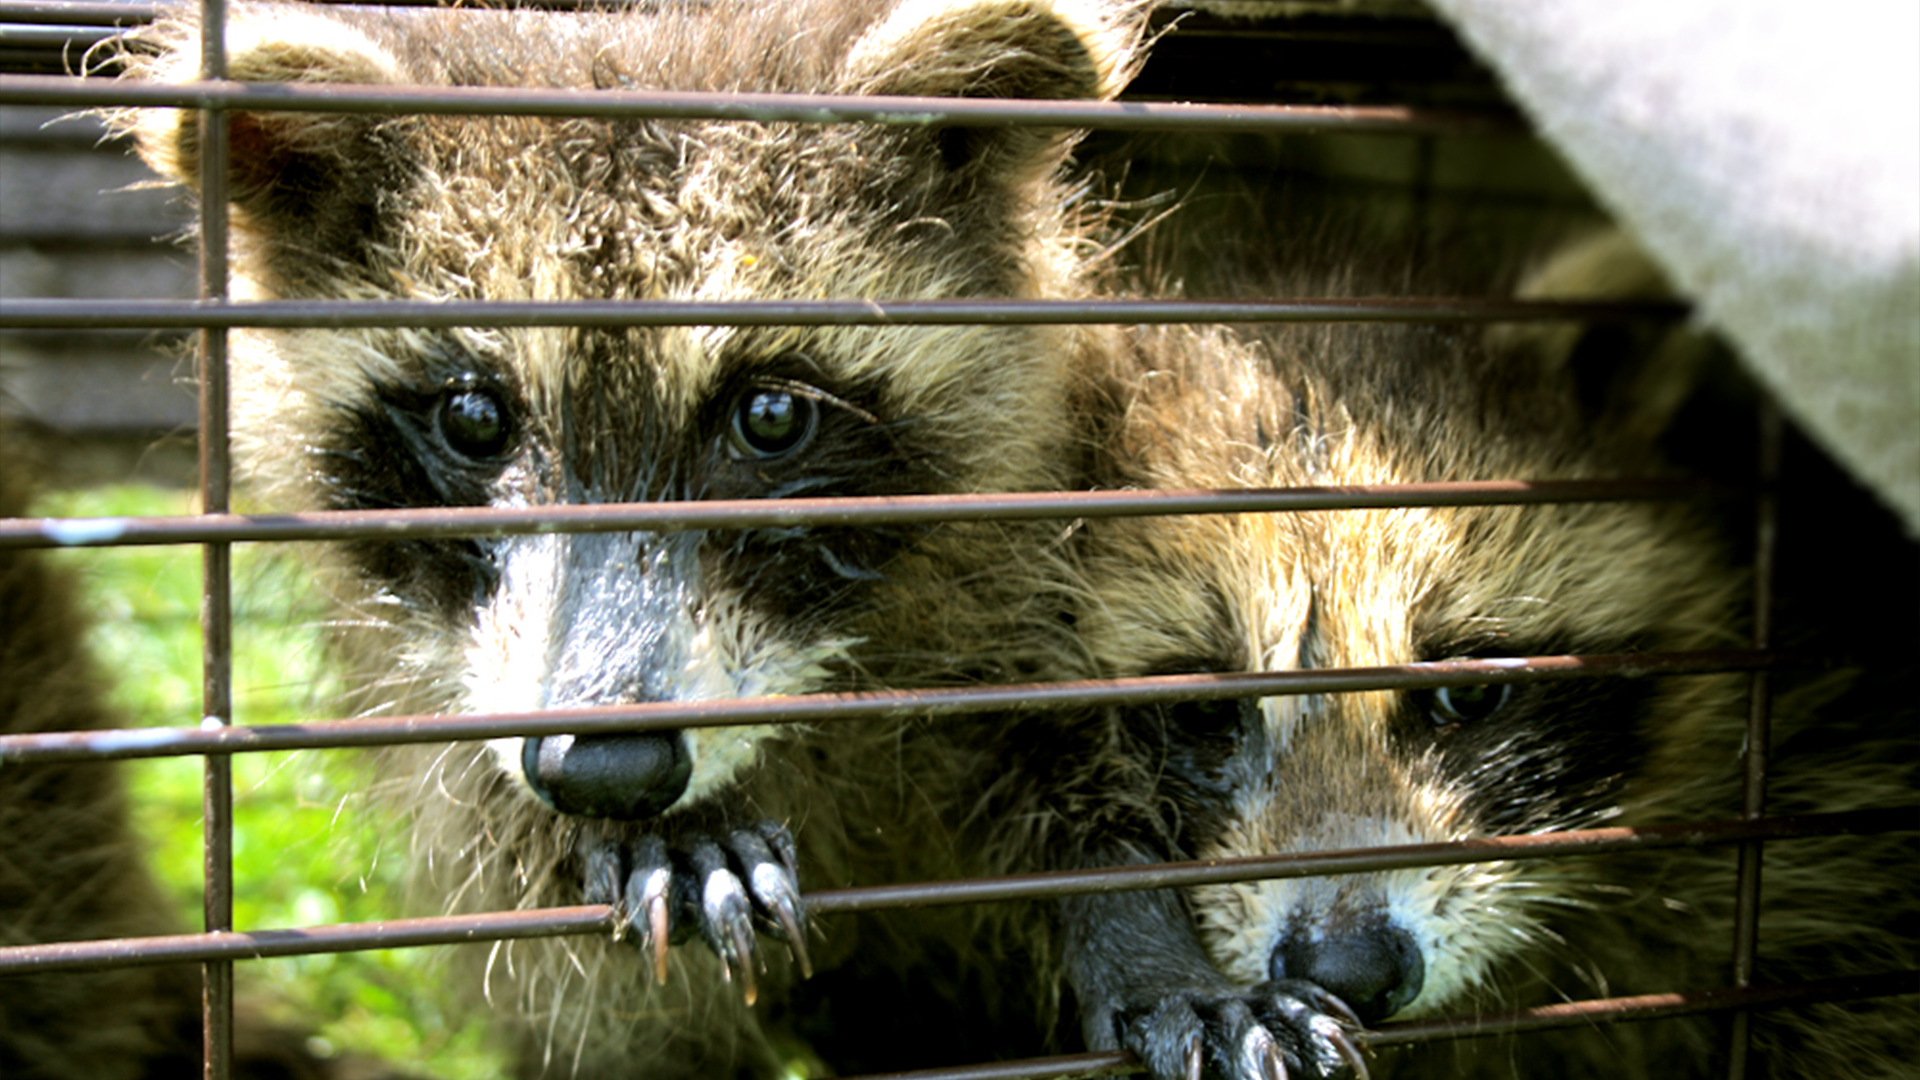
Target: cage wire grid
x=80, y=24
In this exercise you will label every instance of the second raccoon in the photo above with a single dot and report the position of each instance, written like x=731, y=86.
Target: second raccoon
x=1233, y=976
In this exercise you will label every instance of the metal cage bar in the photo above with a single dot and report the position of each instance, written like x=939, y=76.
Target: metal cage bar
x=600, y=918
x=1756, y=751
x=821, y=708
x=450, y=522
x=216, y=600
x=762, y=107
x=338, y=314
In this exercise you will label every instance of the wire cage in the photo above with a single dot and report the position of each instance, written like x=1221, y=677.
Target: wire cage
x=1398, y=79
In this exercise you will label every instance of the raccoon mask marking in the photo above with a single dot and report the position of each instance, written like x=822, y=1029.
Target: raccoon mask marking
x=538, y=208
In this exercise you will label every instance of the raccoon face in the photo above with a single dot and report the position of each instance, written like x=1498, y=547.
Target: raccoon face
x=535, y=208
x=1424, y=767
x=1375, y=588
x=1377, y=769
x=550, y=621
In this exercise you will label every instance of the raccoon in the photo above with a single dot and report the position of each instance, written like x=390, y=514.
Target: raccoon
x=74, y=869
x=700, y=832
x=1260, y=979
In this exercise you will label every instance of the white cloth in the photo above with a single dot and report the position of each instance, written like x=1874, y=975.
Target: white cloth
x=1767, y=155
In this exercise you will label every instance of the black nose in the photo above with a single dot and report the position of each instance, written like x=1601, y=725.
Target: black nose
x=1374, y=967
x=628, y=777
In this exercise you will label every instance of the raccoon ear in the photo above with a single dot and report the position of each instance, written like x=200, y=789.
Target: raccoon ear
x=305, y=182
x=1633, y=378
x=1047, y=49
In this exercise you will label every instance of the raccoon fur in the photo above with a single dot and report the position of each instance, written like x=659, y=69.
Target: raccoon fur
x=692, y=832
x=1233, y=977
x=72, y=868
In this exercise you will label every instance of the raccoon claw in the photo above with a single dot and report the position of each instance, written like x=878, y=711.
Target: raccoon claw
x=773, y=879
x=1270, y=1033
x=1324, y=1023
x=1260, y=1049
x=1344, y=1043
x=1333, y=1024
x=1316, y=996
x=726, y=915
x=721, y=888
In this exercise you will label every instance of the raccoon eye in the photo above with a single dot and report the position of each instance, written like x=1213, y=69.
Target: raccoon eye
x=771, y=422
x=474, y=423
x=1216, y=720
x=1467, y=704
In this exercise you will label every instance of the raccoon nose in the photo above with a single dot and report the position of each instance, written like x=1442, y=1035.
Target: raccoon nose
x=628, y=777
x=1375, y=968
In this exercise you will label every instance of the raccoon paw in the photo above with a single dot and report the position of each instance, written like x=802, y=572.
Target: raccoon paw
x=1283, y=1030
x=722, y=886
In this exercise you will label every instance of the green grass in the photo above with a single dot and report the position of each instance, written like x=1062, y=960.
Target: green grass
x=306, y=849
